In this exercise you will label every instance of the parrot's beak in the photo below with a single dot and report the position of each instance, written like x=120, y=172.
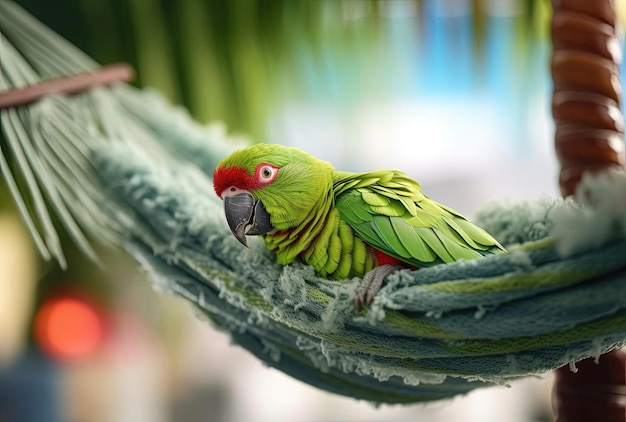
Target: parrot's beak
x=245, y=216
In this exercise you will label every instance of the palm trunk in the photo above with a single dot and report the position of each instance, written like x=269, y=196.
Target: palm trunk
x=589, y=138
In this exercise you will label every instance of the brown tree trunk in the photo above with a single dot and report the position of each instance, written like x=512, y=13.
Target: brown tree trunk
x=589, y=138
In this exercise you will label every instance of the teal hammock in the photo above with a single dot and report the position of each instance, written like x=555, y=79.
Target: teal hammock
x=123, y=166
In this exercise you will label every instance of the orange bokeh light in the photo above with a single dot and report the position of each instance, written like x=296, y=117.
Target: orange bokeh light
x=68, y=328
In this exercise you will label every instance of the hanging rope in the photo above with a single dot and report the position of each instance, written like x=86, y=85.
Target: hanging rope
x=116, y=163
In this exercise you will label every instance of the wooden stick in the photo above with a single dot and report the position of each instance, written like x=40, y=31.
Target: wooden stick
x=68, y=85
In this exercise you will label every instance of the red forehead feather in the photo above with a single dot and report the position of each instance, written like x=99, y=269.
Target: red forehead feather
x=225, y=177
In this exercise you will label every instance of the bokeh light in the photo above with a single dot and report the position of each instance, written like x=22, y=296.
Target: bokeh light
x=69, y=328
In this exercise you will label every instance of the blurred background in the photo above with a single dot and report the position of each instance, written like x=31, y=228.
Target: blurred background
x=454, y=92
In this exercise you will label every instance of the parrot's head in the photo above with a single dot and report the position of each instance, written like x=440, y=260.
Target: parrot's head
x=270, y=188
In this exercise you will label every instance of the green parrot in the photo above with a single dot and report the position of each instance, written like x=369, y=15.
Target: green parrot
x=342, y=224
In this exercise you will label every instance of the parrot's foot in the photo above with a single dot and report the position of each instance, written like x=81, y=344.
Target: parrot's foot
x=371, y=284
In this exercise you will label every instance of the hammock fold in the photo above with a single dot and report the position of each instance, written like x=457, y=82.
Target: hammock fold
x=123, y=166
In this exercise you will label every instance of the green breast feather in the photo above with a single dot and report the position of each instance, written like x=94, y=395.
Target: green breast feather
x=389, y=212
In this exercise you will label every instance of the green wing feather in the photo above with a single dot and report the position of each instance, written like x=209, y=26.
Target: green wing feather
x=390, y=213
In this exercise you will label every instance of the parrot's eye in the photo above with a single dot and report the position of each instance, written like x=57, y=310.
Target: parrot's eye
x=266, y=173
